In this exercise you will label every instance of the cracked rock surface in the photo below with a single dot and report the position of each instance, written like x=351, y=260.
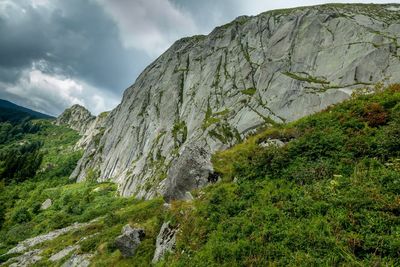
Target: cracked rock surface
x=211, y=91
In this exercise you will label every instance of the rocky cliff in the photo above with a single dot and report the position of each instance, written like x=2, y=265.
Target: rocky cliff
x=77, y=118
x=206, y=93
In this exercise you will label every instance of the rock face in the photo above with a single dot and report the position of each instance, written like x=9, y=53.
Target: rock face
x=211, y=91
x=129, y=240
x=165, y=242
x=77, y=118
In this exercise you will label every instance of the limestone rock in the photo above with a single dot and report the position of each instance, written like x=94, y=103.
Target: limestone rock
x=129, y=240
x=165, y=242
x=46, y=204
x=77, y=118
x=214, y=90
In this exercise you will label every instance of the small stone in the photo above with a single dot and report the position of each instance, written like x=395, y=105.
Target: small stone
x=129, y=240
x=46, y=204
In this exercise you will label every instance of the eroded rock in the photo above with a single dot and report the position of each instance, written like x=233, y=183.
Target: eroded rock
x=189, y=171
x=129, y=240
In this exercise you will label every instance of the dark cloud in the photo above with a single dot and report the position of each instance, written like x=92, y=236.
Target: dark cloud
x=73, y=38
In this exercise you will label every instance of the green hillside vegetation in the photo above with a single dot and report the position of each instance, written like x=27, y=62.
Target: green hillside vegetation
x=330, y=196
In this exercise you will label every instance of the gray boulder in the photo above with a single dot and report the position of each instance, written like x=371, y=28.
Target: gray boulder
x=165, y=242
x=191, y=170
x=46, y=204
x=77, y=118
x=129, y=240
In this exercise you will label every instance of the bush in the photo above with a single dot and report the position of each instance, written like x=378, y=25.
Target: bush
x=21, y=215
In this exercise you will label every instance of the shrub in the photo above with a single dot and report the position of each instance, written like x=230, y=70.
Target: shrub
x=375, y=114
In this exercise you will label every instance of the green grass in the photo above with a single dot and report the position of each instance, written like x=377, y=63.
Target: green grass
x=329, y=197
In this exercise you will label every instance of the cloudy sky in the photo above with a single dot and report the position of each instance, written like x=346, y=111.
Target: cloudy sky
x=55, y=53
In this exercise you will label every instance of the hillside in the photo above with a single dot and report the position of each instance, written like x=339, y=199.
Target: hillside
x=14, y=113
x=207, y=93
x=322, y=190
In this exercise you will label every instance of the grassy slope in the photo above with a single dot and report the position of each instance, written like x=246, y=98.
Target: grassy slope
x=330, y=196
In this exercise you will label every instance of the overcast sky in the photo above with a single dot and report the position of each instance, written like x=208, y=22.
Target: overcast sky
x=55, y=53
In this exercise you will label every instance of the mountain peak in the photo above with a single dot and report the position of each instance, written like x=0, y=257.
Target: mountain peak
x=76, y=117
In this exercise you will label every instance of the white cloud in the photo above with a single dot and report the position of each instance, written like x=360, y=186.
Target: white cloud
x=53, y=93
x=149, y=25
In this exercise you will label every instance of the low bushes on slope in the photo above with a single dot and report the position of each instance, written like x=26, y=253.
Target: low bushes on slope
x=329, y=196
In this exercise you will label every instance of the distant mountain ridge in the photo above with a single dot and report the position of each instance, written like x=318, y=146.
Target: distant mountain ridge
x=13, y=112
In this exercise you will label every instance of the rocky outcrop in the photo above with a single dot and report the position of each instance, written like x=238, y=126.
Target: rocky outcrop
x=129, y=240
x=165, y=242
x=31, y=242
x=27, y=259
x=78, y=260
x=77, y=118
x=94, y=132
x=211, y=91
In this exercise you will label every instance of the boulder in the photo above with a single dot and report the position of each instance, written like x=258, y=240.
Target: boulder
x=165, y=242
x=191, y=170
x=129, y=240
x=46, y=204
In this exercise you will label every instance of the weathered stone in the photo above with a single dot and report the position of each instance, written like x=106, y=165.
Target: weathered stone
x=214, y=90
x=46, y=204
x=165, y=242
x=129, y=240
x=78, y=260
x=191, y=170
